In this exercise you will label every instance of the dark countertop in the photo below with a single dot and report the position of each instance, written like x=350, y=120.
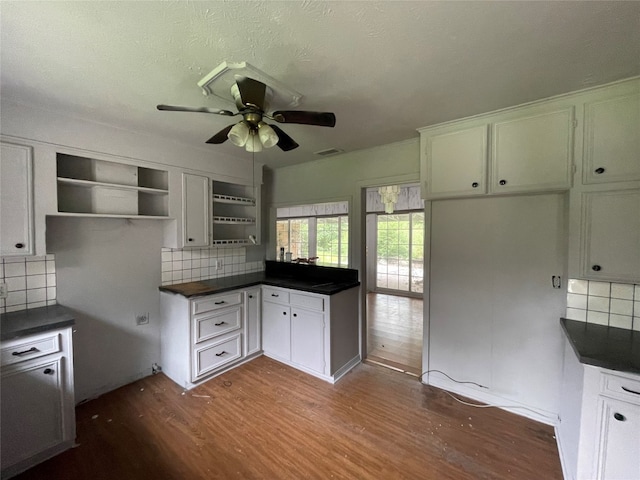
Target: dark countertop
x=313, y=279
x=602, y=346
x=36, y=320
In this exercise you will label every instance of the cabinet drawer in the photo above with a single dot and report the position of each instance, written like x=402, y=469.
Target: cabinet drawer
x=207, y=304
x=307, y=301
x=216, y=323
x=275, y=295
x=621, y=387
x=210, y=357
x=28, y=348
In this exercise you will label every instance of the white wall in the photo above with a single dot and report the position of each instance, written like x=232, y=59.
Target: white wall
x=108, y=270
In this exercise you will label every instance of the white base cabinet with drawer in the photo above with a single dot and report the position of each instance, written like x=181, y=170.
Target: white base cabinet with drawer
x=37, y=401
x=317, y=334
x=205, y=336
x=599, y=429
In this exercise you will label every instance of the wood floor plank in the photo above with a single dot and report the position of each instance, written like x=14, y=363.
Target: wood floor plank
x=264, y=420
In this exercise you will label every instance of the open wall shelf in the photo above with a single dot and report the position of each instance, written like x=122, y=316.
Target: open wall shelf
x=91, y=187
x=235, y=213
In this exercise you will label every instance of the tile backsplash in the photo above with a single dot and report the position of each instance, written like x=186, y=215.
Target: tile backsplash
x=612, y=304
x=188, y=265
x=31, y=282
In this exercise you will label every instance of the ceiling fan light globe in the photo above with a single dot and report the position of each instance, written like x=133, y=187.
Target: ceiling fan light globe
x=267, y=135
x=239, y=134
x=253, y=145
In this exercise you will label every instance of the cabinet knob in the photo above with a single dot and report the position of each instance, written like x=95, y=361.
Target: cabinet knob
x=502, y=182
x=475, y=184
x=284, y=313
x=19, y=245
x=295, y=314
x=48, y=371
x=596, y=268
x=619, y=417
x=190, y=239
x=599, y=170
x=250, y=296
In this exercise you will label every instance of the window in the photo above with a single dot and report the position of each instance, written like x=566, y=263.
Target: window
x=319, y=230
x=400, y=252
x=293, y=235
x=332, y=241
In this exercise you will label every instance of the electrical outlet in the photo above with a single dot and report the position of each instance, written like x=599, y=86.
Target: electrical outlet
x=218, y=264
x=4, y=290
x=142, y=318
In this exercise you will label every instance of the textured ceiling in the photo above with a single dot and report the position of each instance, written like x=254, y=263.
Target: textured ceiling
x=384, y=68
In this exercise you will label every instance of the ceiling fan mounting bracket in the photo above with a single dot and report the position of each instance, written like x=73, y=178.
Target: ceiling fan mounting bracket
x=221, y=79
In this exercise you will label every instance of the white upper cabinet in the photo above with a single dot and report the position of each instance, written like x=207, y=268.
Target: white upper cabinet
x=527, y=149
x=612, y=140
x=533, y=153
x=195, y=210
x=611, y=235
x=16, y=207
x=456, y=162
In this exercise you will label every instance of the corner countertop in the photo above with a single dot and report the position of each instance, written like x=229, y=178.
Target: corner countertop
x=313, y=279
x=602, y=346
x=37, y=320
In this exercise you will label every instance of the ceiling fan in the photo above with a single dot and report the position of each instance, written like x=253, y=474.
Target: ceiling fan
x=252, y=98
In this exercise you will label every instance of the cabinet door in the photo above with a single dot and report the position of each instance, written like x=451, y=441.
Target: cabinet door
x=533, y=153
x=31, y=410
x=619, y=446
x=252, y=326
x=276, y=330
x=611, y=235
x=456, y=163
x=612, y=140
x=195, y=210
x=16, y=210
x=307, y=339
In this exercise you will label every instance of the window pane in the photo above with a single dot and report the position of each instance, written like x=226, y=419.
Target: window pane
x=344, y=241
x=299, y=238
x=417, y=252
x=282, y=236
x=328, y=241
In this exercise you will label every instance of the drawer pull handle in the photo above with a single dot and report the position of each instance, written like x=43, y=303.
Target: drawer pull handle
x=48, y=371
x=221, y=353
x=31, y=350
x=275, y=295
x=220, y=323
x=619, y=417
x=220, y=302
x=19, y=245
x=474, y=184
x=599, y=170
x=630, y=391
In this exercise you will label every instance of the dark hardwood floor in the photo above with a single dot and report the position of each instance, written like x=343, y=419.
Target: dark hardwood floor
x=264, y=420
x=394, y=331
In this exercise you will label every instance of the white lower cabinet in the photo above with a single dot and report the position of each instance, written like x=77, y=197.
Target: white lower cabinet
x=619, y=441
x=253, y=330
x=37, y=408
x=276, y=330
x=307, y=339
x=599, y=429
x=317, y=334
x=205, y=336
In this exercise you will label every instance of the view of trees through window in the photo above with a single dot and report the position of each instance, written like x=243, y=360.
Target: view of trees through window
x=400, y=262
x=323, y=237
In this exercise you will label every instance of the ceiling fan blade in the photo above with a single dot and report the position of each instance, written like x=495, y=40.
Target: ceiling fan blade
x=178, y=108
x=285, y=142
x=322, y=119
x=252, y=92
x=221, y=136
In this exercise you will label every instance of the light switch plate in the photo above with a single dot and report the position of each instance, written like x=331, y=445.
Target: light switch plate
x=4, y=290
